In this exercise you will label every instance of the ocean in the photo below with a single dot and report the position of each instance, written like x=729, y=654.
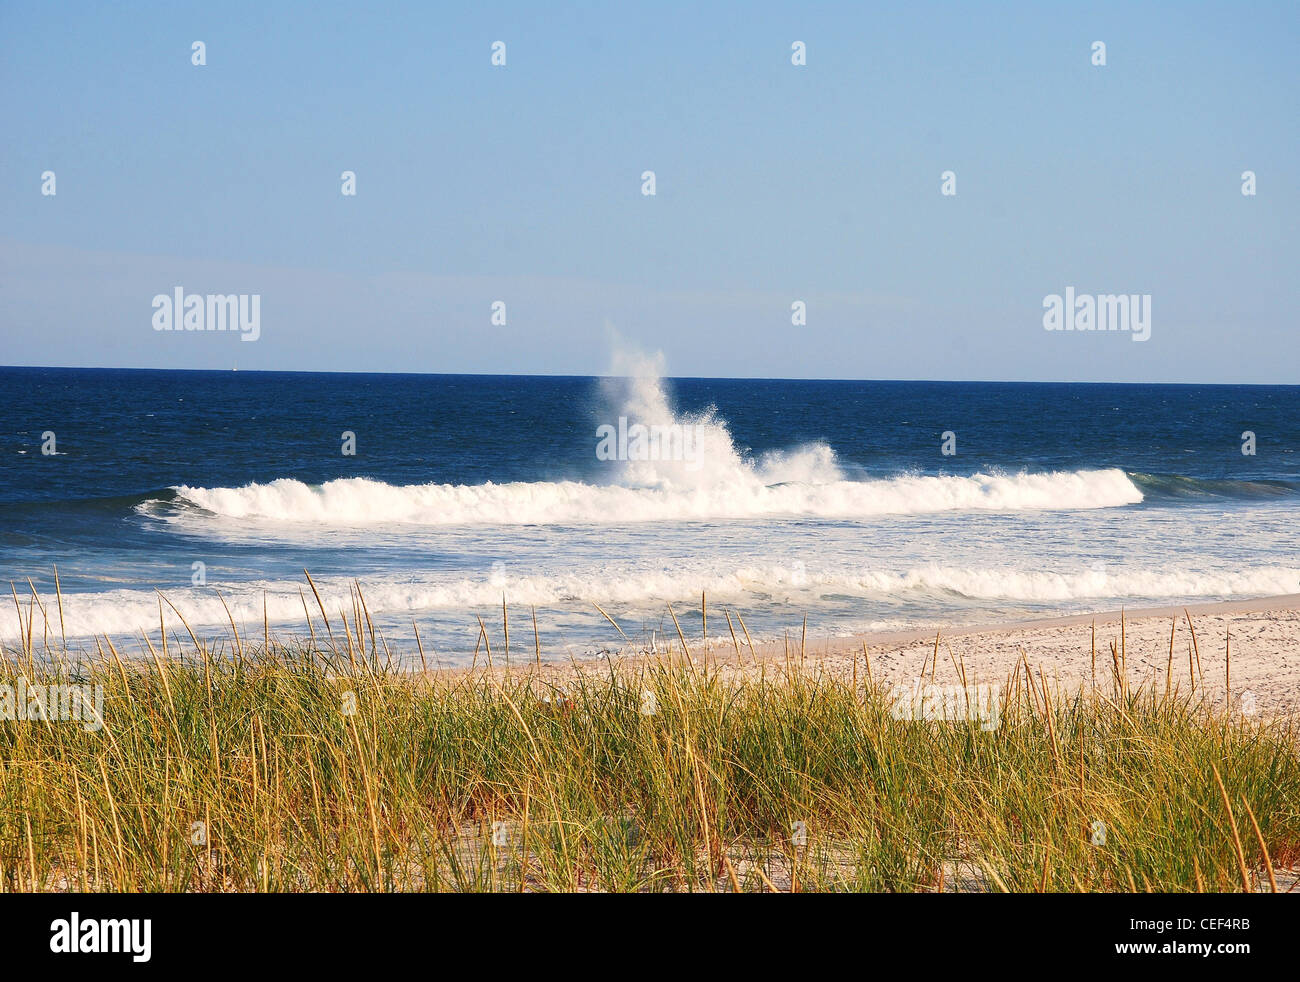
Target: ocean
x=775, y=498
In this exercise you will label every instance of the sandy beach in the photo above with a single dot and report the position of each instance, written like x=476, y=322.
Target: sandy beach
x=1262, y=638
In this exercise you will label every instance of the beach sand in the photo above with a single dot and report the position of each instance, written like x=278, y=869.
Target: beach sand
x=1263, y=641
x=1262, y=638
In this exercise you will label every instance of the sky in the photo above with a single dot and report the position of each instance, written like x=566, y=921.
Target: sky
x=775, y=183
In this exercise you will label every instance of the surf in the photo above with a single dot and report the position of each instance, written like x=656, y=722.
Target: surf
x=720, y=481
x=775, y=487
x=642, y=593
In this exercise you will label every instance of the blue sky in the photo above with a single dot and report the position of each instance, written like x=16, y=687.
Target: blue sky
x=775, y=183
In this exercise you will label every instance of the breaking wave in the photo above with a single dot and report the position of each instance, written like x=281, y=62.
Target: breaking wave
x=775, y=487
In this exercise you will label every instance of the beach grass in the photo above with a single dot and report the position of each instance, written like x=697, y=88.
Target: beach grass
x=319, y=765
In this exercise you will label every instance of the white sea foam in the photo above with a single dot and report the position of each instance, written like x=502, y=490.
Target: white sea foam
x=772, y=488
x=117, y=612
x=776, y=487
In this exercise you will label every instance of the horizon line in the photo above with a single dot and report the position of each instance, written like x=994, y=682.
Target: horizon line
x=575, y=375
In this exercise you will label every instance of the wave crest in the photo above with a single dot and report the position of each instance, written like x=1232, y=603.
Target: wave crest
x=361, y=501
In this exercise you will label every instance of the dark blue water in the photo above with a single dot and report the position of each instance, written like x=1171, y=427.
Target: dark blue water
x=133, y=432
x=827, y=496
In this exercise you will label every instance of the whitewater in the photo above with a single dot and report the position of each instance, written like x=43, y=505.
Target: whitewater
x=641, y=597
x=771, y=488
x=843, y=516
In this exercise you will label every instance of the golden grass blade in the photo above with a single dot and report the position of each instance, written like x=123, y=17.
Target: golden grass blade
x=1263, y=848
x=1236, y=839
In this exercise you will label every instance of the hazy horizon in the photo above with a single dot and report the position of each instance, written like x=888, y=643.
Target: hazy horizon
x=669, y=377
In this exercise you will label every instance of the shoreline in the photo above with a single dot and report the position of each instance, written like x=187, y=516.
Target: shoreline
x=1070, y=650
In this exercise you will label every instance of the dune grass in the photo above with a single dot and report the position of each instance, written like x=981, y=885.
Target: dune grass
x=314, y=765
